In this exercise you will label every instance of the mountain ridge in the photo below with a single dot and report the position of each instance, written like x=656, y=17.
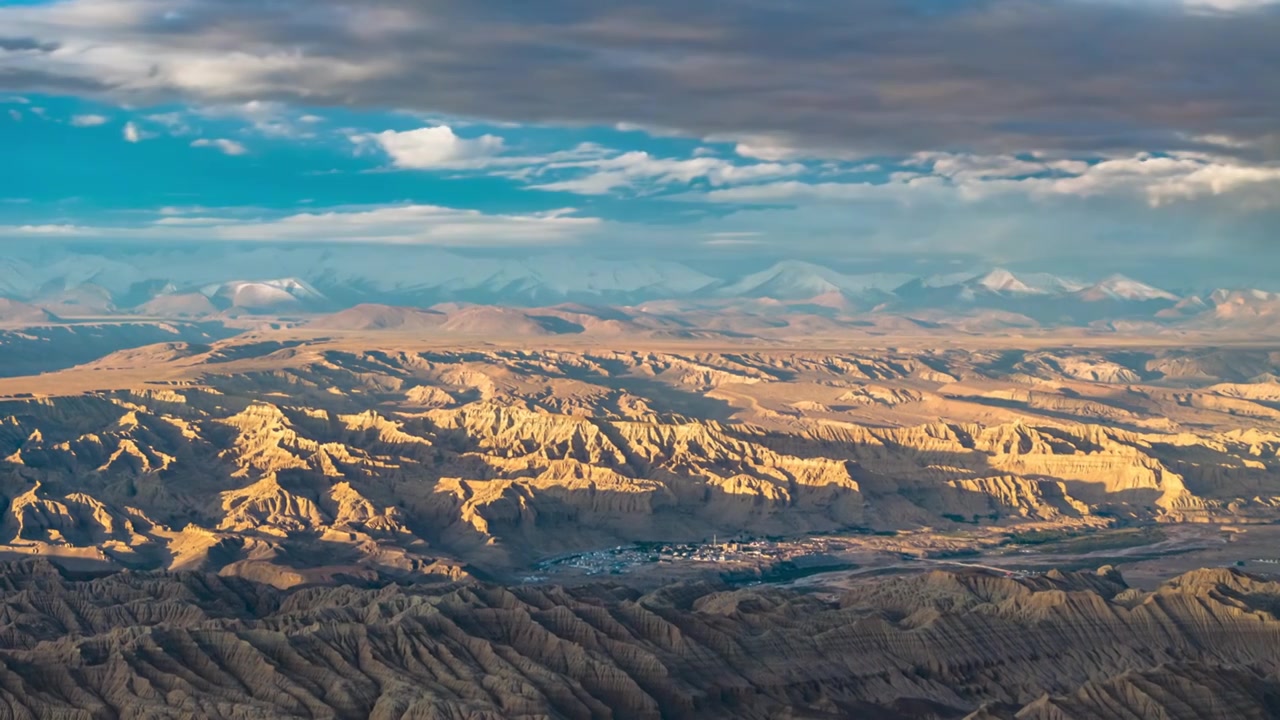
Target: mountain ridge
x=291, y=282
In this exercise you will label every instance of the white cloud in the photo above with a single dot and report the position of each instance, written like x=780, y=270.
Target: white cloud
x=174, y=122
x=268, y=118
x=173, y=221
x=425, y=224
x=134, y=134
x=634, y=169
x=1228, y=5
x=1156, y=180
x=15, y=115
x=777, y=148
x=733, y=239
x=88, y=120
x=44, y=230
x=227, y=147
x=587, y=169
x=182, y=210
x=435, y=148
x=388, y=224
x=766, y=149
x=966, y=167
x=913, y=188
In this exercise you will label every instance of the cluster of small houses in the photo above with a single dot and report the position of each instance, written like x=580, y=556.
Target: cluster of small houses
x=624, y=557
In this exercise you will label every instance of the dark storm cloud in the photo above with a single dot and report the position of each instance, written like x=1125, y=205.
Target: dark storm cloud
x=868, y=75
x=19, y=44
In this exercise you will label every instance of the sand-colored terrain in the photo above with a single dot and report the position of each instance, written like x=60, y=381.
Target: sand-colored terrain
x=295, y=459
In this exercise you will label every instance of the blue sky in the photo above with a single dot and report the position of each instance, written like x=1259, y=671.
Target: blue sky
x=867, y=135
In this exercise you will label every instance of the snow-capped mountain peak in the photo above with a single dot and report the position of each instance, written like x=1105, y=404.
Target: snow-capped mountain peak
x=788, y=280
x=1006, y=283
x=1121, y=287
x=1221, y=296
x=1003, y=281
x=1052, y=284
x=261, y=295
x=299, y=280
x=798, y=280
x=944, y=280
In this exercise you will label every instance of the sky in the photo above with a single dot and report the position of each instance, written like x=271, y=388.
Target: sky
x=1083, y=136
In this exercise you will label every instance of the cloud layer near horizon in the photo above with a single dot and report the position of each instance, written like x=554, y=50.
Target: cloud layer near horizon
x=822, y=77
x=1046, y=133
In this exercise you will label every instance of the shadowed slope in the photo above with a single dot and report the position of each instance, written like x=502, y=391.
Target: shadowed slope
x=939, y=646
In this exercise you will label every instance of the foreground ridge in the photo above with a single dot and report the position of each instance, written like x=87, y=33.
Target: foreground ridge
x=940, y=645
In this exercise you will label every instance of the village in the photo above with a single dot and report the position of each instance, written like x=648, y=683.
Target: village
x=742, y=552
x=753, y=559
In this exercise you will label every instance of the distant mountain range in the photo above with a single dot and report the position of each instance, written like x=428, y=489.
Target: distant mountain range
x=303, y=281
